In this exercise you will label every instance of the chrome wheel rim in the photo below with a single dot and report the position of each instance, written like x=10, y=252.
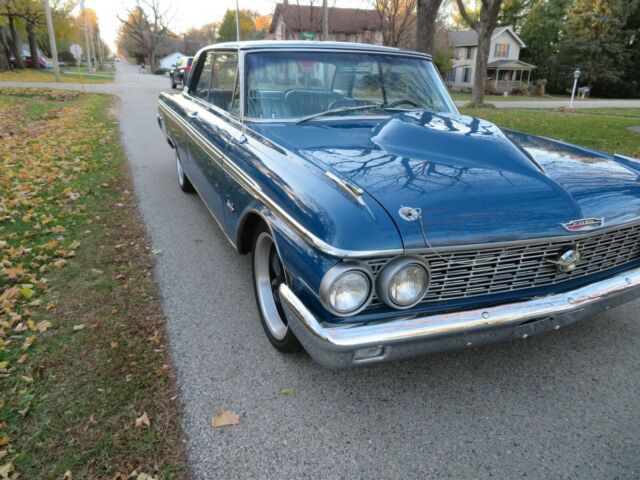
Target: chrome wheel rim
x=269, y=275
x=180, y=171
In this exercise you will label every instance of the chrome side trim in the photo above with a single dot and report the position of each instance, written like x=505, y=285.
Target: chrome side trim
x=354, y=192
x=335, y=340
x=254, y=189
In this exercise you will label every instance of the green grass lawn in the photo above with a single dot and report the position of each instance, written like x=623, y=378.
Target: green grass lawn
x=28, y=75
x=602, y=129
x=82, y=346
x=466, y=96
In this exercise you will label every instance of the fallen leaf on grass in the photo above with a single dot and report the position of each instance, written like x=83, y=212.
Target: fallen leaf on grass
x=5, y=470
x=225, y=418
x=43, y=326
x=10, y=294
x=60, y=263
x=80, y=326
x=143, y=420
x=26, y=379
x=145, y=476
x=23, y=358
x=28, y=342
x=287, y=391
x=4, y=441
x=67, y=475
x=27, y=291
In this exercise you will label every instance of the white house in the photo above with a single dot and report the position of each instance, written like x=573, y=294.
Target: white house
x=505, y=70
x=169, y=61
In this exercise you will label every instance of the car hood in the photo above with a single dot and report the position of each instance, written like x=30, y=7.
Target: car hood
x=472, y=182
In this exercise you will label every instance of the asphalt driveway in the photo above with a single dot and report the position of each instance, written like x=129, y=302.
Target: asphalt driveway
x=560, y=405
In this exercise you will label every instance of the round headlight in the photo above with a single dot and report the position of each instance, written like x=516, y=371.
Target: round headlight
x=345, y=290
x=403, y=282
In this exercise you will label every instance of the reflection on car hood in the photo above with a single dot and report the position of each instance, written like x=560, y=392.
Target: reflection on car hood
x=473, y=182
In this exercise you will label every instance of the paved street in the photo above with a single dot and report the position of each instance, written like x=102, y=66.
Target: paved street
x=560, y=405
x=578, y=104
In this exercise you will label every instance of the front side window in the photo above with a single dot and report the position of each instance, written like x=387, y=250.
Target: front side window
x=203, y=85
x=223, y=82
x=298, y=84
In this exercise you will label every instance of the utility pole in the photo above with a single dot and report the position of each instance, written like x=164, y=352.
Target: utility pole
x=238, y=21
x=86, y=35
x=52, y=40
x=325, y=20
x=93, y=48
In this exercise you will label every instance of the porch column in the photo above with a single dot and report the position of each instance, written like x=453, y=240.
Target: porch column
x=528, y=77
x=497, y=73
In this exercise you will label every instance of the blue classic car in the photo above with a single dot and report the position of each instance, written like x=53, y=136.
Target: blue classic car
x=383, y=223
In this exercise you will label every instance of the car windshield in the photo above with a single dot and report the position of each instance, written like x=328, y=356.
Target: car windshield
x=296, y=85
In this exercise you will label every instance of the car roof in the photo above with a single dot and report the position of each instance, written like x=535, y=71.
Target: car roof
x=312, y=45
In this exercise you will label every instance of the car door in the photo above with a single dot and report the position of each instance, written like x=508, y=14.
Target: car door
x=209, y=135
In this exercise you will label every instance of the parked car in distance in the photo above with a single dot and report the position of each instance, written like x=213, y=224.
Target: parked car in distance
x=180, y=72
x=43, y=62
x=384, y=224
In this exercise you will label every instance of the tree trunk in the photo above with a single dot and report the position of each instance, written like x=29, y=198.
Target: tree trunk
x=33, y=46
x=5, y=58
x=15, y=43
x=426, y=25
x=482, y=58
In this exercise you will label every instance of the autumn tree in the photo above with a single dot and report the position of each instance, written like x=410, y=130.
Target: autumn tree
x=484, y=25
x=33, y=15
x=145, y=29
x=426, y=21
x=227, y=30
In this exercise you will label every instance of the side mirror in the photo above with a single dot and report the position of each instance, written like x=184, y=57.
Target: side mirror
x=173, y=65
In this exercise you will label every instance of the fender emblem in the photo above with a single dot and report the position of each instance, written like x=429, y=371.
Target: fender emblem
x=583, y=224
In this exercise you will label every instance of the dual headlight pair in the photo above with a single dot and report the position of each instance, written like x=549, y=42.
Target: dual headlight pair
x=347, y=288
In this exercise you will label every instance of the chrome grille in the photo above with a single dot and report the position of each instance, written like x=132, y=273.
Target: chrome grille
x=458, y=273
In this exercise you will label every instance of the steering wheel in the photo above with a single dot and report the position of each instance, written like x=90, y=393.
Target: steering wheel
x=402, y=101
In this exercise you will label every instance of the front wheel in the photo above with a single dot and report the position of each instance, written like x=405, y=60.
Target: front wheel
x=183, y=82
x=184, y=182
x=268, y=275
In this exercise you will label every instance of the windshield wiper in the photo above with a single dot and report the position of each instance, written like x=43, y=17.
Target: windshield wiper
x=339, y=110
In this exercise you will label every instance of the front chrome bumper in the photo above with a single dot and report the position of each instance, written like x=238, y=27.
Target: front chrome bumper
x=337, y=346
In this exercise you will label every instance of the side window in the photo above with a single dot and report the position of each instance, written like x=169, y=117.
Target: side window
x=203, y=86
x=223, y=82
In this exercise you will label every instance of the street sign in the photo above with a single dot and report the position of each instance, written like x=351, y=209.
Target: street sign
x=308, y=36
x=76, y=51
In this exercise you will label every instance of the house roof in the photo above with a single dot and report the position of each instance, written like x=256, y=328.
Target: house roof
x=517, y=64
x=180, y=54
x=469, y=38
x=307, y=18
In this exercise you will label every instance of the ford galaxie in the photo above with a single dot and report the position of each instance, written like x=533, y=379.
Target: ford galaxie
x=384, y=224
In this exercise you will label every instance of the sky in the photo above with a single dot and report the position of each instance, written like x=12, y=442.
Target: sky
x=190, y=13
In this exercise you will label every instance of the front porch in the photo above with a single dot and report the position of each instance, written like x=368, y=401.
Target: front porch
x=507, y=75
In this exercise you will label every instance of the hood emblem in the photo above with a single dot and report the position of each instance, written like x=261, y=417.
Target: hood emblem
x=583, y=224
x=409, y=214
x=568, y=261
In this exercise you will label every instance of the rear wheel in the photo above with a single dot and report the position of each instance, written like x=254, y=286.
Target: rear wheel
x=268, y=275
x=183, y=180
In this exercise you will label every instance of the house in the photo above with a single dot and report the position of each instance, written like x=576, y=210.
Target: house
x=505, y=70
x=170, y=60
x=304, y=22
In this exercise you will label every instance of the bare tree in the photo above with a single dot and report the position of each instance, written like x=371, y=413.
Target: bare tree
x=427, y=17
x=397, y=18
x=146, y=26
x=484, y=26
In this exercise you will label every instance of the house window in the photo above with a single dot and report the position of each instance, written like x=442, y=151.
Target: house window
x=451, y=77
x=501, y=50
x=466, y=77
x=469, y=53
